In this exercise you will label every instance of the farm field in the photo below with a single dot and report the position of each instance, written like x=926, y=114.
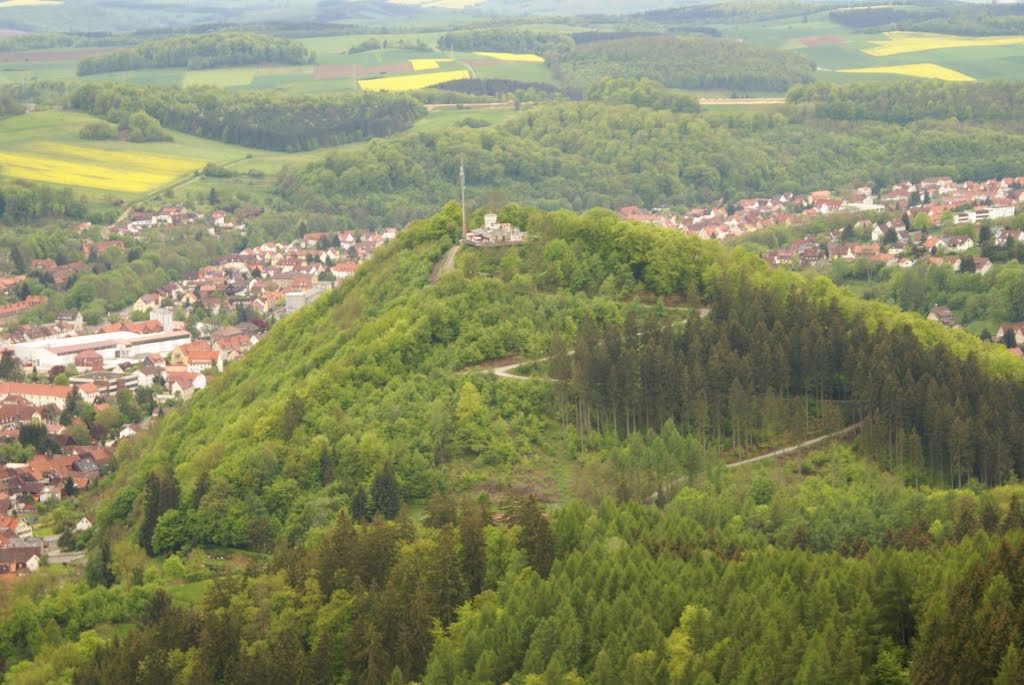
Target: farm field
x=86, y=167
x=413, y=81
x=924, y=70
x=837, y=50
x=29, y=3
x=902, y=42
x=44, y=146
x=511, y=56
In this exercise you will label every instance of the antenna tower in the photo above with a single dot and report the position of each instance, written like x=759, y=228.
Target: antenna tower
x=462, y=188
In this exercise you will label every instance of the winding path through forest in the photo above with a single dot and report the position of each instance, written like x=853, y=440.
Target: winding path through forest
x=796, y=448
x=445, y=265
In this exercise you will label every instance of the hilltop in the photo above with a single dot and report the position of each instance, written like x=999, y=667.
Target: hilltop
x=309, y=456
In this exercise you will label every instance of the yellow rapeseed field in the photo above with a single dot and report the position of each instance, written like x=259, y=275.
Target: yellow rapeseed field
x=29, y=3
x=512, y=56
x=413, y=81
x=128, y=172
x=426, y=64
x=901, y=42
x=925, y=70
x=446, y=4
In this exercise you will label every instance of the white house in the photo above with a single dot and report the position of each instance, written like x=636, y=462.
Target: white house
x=83, y=524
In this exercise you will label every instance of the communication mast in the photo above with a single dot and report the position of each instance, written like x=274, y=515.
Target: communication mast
x=462, y=188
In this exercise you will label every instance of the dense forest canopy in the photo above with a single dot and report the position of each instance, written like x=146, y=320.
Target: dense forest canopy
x=825, y=570
x=504, y=40
x=23, y=202
x=912, y=100
x=579, y=155
x=205, y=51
x=729, y=12
x=260, y=119
x=690, y=62
x=957, y=18
x=305, y=426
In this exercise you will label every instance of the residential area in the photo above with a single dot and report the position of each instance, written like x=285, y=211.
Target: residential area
x=69, y=392
x=864, y=238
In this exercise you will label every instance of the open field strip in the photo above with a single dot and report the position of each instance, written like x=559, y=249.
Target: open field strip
x=226, y=78
x=902, y=42
x=29, y=3
x=511, y=56
x=414, y=81
x=427, y=64
x=60, y=172
x=925, y=70
x=442, y=4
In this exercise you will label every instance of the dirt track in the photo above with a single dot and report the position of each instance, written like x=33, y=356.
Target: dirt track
x=743, y=101
x=53, y=55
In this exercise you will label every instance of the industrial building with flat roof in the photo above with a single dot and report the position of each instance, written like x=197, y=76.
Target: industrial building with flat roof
x=113, y=347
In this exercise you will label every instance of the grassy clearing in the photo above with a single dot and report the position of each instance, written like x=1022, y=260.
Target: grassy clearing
x=189, y=594
x=511, y=56
x=450, y=117
x=413, y=81
x=523, y=71
x=143, y=77
x=902, y=42
x=334, y=49
x=225, y=78
x=923, y=70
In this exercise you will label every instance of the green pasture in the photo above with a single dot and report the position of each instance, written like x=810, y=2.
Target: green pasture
x=533, y=72
x=451, y=117
x=189, y=594
x=22, y=71
x=984, y=63
x=63, y=127
x=225, y=78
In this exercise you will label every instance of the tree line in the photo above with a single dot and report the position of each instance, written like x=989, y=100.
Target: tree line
x=504, y=40
x=585, y=154
x=764, y=362
x=743, y=578
x=260, y=119
x=996, y=19
x=687, y=62
x=910, y=100
x=23, y=202
x=204, y=51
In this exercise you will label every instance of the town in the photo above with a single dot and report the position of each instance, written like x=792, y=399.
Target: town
x=937, y=221
x=70, y=391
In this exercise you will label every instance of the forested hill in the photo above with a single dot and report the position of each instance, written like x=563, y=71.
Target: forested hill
x=204, y=51
x=373, y=374
x=260, y=119
x=690, y=62
x=580, y=155
x=373, y=396
x=377, y=394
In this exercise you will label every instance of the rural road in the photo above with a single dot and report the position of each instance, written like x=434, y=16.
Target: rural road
x=506, y=371
x=55, y=556
x=742, y=101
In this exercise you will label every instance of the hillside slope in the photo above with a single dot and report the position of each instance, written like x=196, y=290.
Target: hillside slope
x=304, y=452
